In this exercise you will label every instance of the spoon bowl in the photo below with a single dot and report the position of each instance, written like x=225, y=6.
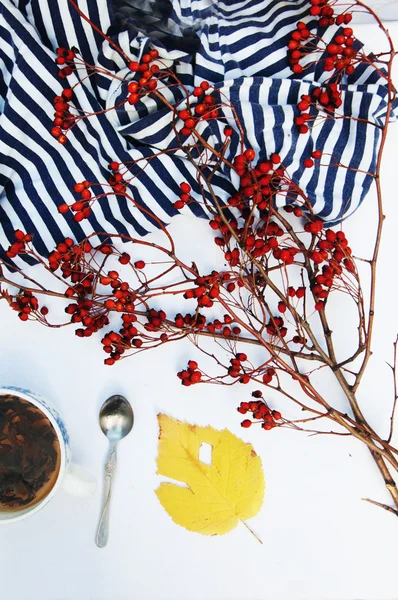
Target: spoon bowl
x=116, y=418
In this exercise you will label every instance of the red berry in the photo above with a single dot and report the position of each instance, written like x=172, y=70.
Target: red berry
x=249, y=154
x=275, y=159
x=133, y=98
x=297, y=69
x=303, y=106
x=139, y=264
x=195, y=377
x=190, y=123
x=308, y=163
x=296, y=35
x=67, y=93
x=124, y=259
x=332, y=49
x=282, y=307
x=178, y=204
x=246, y=423
x=267, y=426
x=185, y=187
x=316, y=154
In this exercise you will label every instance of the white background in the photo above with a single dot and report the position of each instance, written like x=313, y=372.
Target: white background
x=321, y=541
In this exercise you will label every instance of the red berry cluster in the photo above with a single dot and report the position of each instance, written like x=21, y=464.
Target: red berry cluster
x=67, y=256
x=275, y=326
x=260, y=411
x=82, y=312
x=123, y=297
x=190, y=322
x=116, y=344
x=81, y=207
x=204, y=110
x=332, y=248
x=65, y=56
x=296, y=210
x=296, y=49
x=258, y=187
x=314, y=227
x=19, y=246
x=63, y=118
x=147, y=81
x=156, y=319
x=224, y=327
x=325, y=12
x=191, y=375
x=116, y=180
x=208, y=288
x=236, y=369
x=304, y=116
x=24, y=303
x=185, y=196
x=341, y=53
x=329, y=98
x=268, y=375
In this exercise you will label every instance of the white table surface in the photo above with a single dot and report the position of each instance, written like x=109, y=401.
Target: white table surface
x=320, y=540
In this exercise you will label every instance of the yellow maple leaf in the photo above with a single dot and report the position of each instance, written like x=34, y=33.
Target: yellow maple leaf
x=219, y=495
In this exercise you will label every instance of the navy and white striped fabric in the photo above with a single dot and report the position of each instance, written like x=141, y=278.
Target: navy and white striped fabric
x=237, y=45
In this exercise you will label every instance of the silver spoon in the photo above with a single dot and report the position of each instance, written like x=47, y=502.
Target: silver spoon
x=116, y=421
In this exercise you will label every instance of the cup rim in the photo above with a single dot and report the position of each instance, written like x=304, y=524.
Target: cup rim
x=32, y=397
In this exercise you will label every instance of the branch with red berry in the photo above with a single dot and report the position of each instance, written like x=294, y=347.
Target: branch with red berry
x=282, y=266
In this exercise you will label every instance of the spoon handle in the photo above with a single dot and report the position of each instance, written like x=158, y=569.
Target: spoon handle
x=103, y=525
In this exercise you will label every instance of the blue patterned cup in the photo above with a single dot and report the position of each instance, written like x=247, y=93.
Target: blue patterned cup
x=71, y=477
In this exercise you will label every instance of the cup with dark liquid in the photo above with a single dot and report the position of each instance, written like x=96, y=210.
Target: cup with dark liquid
x=35, y=455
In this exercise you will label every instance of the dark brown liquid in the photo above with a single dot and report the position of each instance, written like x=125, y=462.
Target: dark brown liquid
x=30, y=456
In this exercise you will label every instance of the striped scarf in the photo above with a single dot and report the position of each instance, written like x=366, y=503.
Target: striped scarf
x=239, y=46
